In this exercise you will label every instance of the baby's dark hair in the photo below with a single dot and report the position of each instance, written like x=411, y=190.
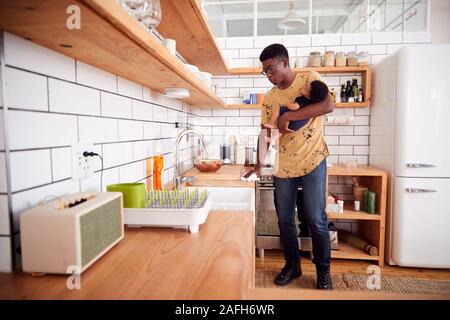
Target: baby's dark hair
x=275, y=50
x=319, y=91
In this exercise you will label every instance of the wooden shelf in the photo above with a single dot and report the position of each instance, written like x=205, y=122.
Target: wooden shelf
x=185, y=22
x=354, y=215
x=361, y=170
x=109, y=39
x=348, y=252
x=338, y=105
x=256, y=71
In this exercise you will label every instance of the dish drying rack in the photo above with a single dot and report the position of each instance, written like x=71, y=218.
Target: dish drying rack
x=186, y=208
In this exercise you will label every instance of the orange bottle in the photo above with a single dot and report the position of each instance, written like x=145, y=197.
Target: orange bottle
x=158, y=165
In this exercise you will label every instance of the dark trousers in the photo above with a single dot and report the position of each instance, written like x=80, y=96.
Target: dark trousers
x=314, y=188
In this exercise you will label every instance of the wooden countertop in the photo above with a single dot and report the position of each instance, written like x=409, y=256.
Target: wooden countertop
x=227, y=176
x=160, y=263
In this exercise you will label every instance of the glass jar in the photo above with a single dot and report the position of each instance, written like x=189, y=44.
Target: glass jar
x=315, y=59
x=352, y=59
x=341, y=59
x=363, y=58
x=329, y=59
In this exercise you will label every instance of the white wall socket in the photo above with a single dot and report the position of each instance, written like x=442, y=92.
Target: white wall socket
x=82, y=167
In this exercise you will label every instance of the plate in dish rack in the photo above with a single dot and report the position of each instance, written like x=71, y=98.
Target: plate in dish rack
x=173, y=218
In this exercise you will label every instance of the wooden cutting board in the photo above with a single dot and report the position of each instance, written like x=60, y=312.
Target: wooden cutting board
x=227, y=172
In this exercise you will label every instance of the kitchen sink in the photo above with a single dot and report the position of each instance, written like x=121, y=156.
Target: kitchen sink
x=232, y=199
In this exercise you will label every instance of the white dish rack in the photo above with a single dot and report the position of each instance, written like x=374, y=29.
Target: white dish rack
x=190, y=218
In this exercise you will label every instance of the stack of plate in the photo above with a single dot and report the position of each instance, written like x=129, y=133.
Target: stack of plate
x=176, y=93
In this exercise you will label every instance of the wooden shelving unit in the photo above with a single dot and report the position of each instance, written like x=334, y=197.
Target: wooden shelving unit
x=109, y=38
x=365, y=71
x=338, y=105
x=371, y=226
x=185, y=22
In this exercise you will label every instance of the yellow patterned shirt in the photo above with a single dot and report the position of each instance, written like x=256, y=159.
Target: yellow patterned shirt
x=301, y=151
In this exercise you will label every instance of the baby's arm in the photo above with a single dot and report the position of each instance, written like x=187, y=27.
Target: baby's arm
x=273, y=118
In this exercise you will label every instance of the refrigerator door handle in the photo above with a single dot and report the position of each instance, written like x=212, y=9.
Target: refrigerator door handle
x=417, y=190
x=420, y=165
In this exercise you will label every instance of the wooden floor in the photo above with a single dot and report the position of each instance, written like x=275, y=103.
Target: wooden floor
x=274, y=259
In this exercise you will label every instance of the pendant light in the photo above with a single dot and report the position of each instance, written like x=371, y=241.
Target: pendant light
x=291, y=21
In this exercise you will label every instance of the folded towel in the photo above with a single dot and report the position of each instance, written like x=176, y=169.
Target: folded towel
x=251, y=178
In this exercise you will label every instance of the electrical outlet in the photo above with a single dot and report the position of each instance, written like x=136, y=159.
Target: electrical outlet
x=82, y=167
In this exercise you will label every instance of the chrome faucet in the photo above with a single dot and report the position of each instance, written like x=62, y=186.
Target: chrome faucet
x=178, y=179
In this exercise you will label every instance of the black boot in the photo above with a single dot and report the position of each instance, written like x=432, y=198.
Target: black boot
x=291, y=271
x=324, y=277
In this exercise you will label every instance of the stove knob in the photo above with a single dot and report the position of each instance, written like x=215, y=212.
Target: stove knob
x=261, y=178
x=269, y=178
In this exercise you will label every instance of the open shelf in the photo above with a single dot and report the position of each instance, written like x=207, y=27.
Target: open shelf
x=355, y=215
x=185, y=22
x=346, y=251
x=109, y=39
x=338, y=105
x=256, y=71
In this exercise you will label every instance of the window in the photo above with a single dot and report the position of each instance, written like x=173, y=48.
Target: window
x=237, y=18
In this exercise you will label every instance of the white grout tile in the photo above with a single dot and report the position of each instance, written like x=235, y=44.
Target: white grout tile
x=249, y=112
x=362, y=130
x=129, y=88
x=152, y=130
x=225, y=113
x=239, y=121
x=142, y=150
x=326, y=40
x=262, y=82
x=239, y=43
x=257, y=121
x=71, y=98
x=304, y=52
x=377, y=59
x=30, y=169
x=220, y=131
x=217, y=121
x=337, y=150
x=98, y=130
x=132, y=172
x=249, y=131
x=354, y=140
x=25, y=90
x=386, y=37
x=5, y=256
x=142, y=110
x=297, y=40
x=361, y=150
x=373, y=49
x=362, y=111
x=40, y=130
x=110, y=176
x=332, y=140
x=150, y=95
x=228, y=92
x=361, y=121
x=239, y=83
x=241, y=63
x=338, y=130
x=4, y=216
x=262, y=42
x=220, y=42
x=361, y=159
x=231, y=53
x=168, y=130
x=393, y=48
x=3, y=184
x=95, y=77
x=233, y=100
x=249, y=53
x=356, y=38
x=30, y=56
x=116, y=106
x=130, y=130
x=345, y=49
x=416, y=37
x=159, y=113
x=115, y=154
x=61, y=163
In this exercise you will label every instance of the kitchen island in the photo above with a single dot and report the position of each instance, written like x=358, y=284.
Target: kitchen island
x=218, y=262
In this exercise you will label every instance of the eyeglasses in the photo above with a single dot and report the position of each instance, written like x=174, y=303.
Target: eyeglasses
x=270, y=69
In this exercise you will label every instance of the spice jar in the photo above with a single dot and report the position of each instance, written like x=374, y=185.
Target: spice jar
x=329, y=59
x=315, y=59
x=352, y=59
x=363, y=58
x=341, y=59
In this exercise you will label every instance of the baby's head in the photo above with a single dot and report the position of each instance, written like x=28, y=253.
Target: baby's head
x=317, y=90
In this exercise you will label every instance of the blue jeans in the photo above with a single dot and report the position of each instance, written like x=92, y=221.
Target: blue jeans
x=314, y=189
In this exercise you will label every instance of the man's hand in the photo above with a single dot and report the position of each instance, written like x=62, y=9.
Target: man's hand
x=256, y=170
x=283, y=123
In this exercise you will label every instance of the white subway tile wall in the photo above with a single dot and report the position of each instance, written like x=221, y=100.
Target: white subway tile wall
x=66, y=102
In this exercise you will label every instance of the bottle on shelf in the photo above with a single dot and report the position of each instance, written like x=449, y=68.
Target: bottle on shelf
x=348, y=91
x=360, y=95
x=343, y=96
x=355, y=91
x=158, y=166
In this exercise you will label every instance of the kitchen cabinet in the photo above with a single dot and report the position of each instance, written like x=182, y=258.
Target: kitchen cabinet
x=371, y=226
x=365, y=71
x=108, y=38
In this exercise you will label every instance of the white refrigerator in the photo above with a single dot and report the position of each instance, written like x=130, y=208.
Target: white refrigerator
x=410, y=137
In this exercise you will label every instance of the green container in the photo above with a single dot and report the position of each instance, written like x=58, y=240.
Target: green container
x=133, y=194
x=371, y=199
x=366, y=194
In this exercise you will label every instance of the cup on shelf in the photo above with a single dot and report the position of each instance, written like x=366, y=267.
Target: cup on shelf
x=170, y=44
x=253, y=98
